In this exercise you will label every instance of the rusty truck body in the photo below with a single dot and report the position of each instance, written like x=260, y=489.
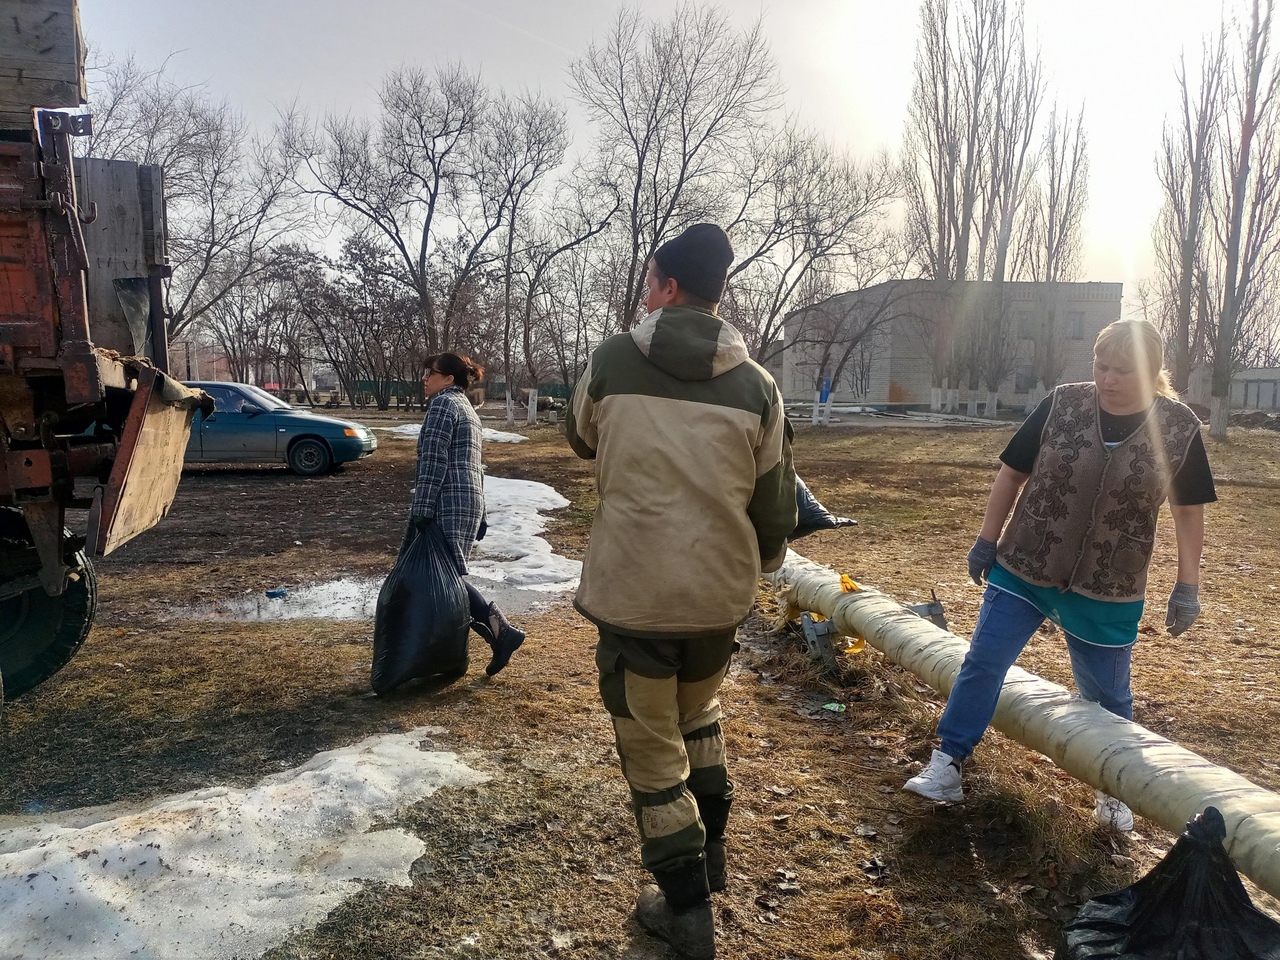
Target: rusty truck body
x=94, y=429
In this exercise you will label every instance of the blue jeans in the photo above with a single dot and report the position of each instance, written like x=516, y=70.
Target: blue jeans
x=1005, y=624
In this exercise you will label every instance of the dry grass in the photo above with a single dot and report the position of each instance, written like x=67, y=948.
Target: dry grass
x=541, y=859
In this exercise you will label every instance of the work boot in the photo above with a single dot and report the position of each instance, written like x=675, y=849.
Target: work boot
x=940, y=780
x=690, y=931
x=506, y=639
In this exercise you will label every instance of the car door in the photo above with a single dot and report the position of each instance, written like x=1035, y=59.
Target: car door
x=193, y=454
x=235, y=432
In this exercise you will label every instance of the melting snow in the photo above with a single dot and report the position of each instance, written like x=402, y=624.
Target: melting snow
x=512, y=552
x=217, y=872
x=497, y=436
x=411, y=430
x=512, y=558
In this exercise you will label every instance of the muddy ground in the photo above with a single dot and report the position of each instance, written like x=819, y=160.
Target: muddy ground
x=827, y=854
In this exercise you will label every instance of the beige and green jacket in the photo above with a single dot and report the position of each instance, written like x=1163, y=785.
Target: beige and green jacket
x=693, y=466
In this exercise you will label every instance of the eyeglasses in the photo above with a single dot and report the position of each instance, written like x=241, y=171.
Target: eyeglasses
x=431, y=370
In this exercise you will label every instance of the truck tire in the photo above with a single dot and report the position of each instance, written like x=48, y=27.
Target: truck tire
x=310, y=458
x=39, y=634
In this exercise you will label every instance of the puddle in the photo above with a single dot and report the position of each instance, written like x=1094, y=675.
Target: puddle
x=350, y=598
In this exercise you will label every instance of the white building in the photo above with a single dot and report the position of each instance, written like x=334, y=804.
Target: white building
x=1051, y=327
x=1256, y=389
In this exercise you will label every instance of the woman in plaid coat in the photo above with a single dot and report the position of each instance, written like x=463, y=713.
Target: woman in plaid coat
x=450, y=489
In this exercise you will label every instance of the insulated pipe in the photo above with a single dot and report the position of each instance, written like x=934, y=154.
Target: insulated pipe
x=1159, y=779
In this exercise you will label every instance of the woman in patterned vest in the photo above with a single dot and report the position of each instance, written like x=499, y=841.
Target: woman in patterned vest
x=1089, y=470
x=450, y=488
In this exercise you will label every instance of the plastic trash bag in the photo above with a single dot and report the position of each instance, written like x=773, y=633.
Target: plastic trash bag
x=422, y=619
x=1191, y=906
x=812, y=515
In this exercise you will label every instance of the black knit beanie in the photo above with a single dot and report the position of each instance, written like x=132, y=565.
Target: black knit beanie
x=698, y=260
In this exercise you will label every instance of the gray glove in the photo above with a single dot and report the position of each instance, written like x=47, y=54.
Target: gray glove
x=982, y=556
x=1184, y=607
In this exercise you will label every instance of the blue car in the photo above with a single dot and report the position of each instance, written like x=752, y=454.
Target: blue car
x=249, y=425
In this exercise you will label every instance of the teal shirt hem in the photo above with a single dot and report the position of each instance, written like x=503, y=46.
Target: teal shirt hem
x=1093, y=621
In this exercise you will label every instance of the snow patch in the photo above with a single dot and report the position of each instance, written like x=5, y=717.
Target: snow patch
x=512, y=552
x=512, y=558
x=405, y=431
x=410, y=431
x=497, y=436
x=218, y=872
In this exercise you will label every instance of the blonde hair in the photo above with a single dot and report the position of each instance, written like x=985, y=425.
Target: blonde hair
x=1139, y=343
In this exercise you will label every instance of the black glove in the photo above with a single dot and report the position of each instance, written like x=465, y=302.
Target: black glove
x=484, y=526
x=420, y=523
x=982, y=557
x=1184, y=607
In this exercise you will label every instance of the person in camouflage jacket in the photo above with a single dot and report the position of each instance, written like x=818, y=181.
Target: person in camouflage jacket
x=697, y=497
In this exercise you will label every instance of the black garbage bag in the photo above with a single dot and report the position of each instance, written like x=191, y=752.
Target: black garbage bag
x=1191, y=906
x=422, y=620
x=813, y=515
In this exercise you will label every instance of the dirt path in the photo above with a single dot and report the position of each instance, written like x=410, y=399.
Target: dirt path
x=827, y=855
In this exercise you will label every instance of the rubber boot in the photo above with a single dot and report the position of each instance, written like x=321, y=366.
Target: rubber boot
x=486, y=634
x=506, y=639
x=678, y=910
x=714, y=812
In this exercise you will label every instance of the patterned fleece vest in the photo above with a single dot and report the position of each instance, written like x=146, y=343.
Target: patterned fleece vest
x=1086, y=519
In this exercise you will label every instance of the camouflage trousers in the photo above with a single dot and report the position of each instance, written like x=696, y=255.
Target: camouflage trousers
x=662, y=696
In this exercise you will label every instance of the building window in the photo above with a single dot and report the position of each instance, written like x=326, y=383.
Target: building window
x=1022, y=323
x=1024, y=380
x=1075, y=324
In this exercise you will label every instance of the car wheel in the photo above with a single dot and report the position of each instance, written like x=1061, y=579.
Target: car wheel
x=310, y=458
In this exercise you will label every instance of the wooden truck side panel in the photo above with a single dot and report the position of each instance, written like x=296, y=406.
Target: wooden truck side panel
x=41, y=59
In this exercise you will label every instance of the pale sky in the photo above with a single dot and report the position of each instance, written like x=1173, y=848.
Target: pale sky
x=846, y=66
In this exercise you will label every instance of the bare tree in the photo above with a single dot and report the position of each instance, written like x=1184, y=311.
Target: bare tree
x=396, y=177
x=575, y=316
x=1246, y=220
x=528, y=140
x=235, y=324
x=584, y=214
x=933, y=146
x=671, y=101
x=844, y=329
x=296, y=290
x=226, y=193
x=1050, y=238
x=1018, y=90
x=965, y=69
x=864, y=327
x=972, y=112
x=1062, y=201
x=804, y=211
x=1185, y=167
x=374, y=324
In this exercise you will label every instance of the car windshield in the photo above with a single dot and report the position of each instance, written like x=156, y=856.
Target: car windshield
x=263, y=399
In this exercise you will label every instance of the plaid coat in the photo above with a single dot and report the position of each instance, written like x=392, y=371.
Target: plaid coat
x=450, y=483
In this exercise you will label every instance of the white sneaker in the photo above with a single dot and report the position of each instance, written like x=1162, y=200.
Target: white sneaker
x=940, y=780
x=1110, y=812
